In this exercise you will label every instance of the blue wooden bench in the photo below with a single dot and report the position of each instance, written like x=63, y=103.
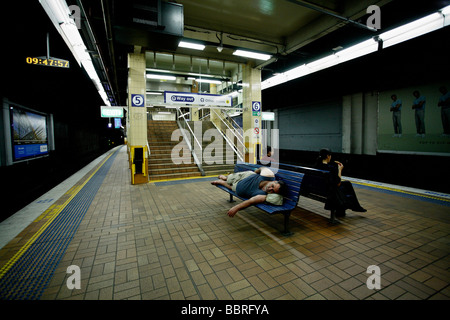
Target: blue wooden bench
x=314, y=185
x=293, y=181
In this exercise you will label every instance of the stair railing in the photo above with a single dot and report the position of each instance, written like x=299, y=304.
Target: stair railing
x=183, y=124
x=235, y=148
x=235, y=125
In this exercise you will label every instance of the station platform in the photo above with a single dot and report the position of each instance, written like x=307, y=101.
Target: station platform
x=172, y=240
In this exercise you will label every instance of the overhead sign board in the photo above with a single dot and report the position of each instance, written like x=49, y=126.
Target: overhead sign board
x=111, y=112
x=268, y=116
x=197, y=99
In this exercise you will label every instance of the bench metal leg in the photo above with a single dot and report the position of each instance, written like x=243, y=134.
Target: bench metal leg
x=286, y=231
x=231, y=198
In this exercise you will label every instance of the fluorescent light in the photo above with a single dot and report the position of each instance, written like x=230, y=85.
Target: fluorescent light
x=58, y=12
x=358, y=50
x=297, y=72
x=392, y=37
x=191, y=45
x=253, y=55
x=164, y=112
x=322, y=63
x=413, y=29
x=209, y=81
x=153, y=93
x=445, y=11
x=160, y=77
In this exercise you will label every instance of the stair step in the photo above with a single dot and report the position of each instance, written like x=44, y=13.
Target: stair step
x=173, y=176
x=169, y=165
x=186, y=170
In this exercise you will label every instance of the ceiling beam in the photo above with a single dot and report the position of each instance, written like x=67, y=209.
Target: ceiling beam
x=326, y=24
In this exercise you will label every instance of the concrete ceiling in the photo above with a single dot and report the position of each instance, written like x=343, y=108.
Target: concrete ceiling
x=288, y=30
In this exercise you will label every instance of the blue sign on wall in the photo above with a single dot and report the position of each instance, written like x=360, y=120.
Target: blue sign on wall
x=137, y=100
x=256, y=106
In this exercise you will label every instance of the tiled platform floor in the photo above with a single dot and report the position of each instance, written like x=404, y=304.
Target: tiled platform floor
x=174, y=241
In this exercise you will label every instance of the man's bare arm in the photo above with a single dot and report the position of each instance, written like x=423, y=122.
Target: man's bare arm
x=247, y=203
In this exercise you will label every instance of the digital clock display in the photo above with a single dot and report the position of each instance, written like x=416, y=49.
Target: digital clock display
x=49, y=62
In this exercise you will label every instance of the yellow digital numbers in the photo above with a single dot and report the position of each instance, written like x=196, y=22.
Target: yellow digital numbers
x=50, y=62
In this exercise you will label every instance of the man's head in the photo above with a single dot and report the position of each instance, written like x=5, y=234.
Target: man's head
x=276, y=187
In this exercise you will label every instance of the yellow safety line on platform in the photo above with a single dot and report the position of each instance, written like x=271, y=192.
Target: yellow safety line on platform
x=25, y=247
x=399, y=190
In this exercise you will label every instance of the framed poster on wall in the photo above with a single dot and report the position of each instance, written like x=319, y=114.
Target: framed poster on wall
x=28, y=133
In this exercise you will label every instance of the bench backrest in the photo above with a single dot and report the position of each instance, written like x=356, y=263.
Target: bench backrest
x=293, y=181
x=315, y=182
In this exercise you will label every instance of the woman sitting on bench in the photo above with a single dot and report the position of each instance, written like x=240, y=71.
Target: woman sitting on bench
x=341, y=195
x=253, y=185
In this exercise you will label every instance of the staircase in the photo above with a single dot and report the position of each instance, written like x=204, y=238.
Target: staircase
x=161, y=165
x=214, y=160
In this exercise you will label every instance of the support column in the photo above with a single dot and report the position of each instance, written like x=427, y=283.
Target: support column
x=252, y=108
x=194, y=111
x=213, y=117
x=137, y=119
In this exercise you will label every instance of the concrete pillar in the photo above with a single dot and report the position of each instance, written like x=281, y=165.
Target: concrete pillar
x=357, y=116
x=252, y=107
x=359, y=123
x=213, y=117
x=137, y=118
x=194, y=111
x=346, y=124
x=370, y=123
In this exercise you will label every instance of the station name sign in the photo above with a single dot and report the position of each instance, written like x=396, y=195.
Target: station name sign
x=197, y=99
x=111, y=112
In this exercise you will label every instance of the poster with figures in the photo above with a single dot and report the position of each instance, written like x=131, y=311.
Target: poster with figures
x=415, y=120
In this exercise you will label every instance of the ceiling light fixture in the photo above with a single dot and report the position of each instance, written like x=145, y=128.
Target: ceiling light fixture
x=160, y=77
x=220, y=47
x=253, y=55
x=386, y=39
x=209, y=81
x=191, y=45
x=59, y=14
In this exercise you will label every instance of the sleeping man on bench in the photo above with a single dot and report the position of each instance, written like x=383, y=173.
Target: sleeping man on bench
x=256, y=186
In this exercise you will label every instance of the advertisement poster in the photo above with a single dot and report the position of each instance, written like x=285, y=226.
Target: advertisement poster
x=29, y=134
x=415, y=120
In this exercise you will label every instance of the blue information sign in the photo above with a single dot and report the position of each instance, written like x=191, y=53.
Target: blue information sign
x=137, y=100
x=256, y=106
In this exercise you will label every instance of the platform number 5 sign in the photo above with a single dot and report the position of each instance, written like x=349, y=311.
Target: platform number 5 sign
x=137, y=100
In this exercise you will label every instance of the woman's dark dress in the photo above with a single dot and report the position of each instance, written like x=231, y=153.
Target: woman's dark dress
x=341, y=195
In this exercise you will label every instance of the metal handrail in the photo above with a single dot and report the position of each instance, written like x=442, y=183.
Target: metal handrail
x=235, y=149
x=234, y=130
x=235, y=124
x=194, y=155
x=232, y=145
